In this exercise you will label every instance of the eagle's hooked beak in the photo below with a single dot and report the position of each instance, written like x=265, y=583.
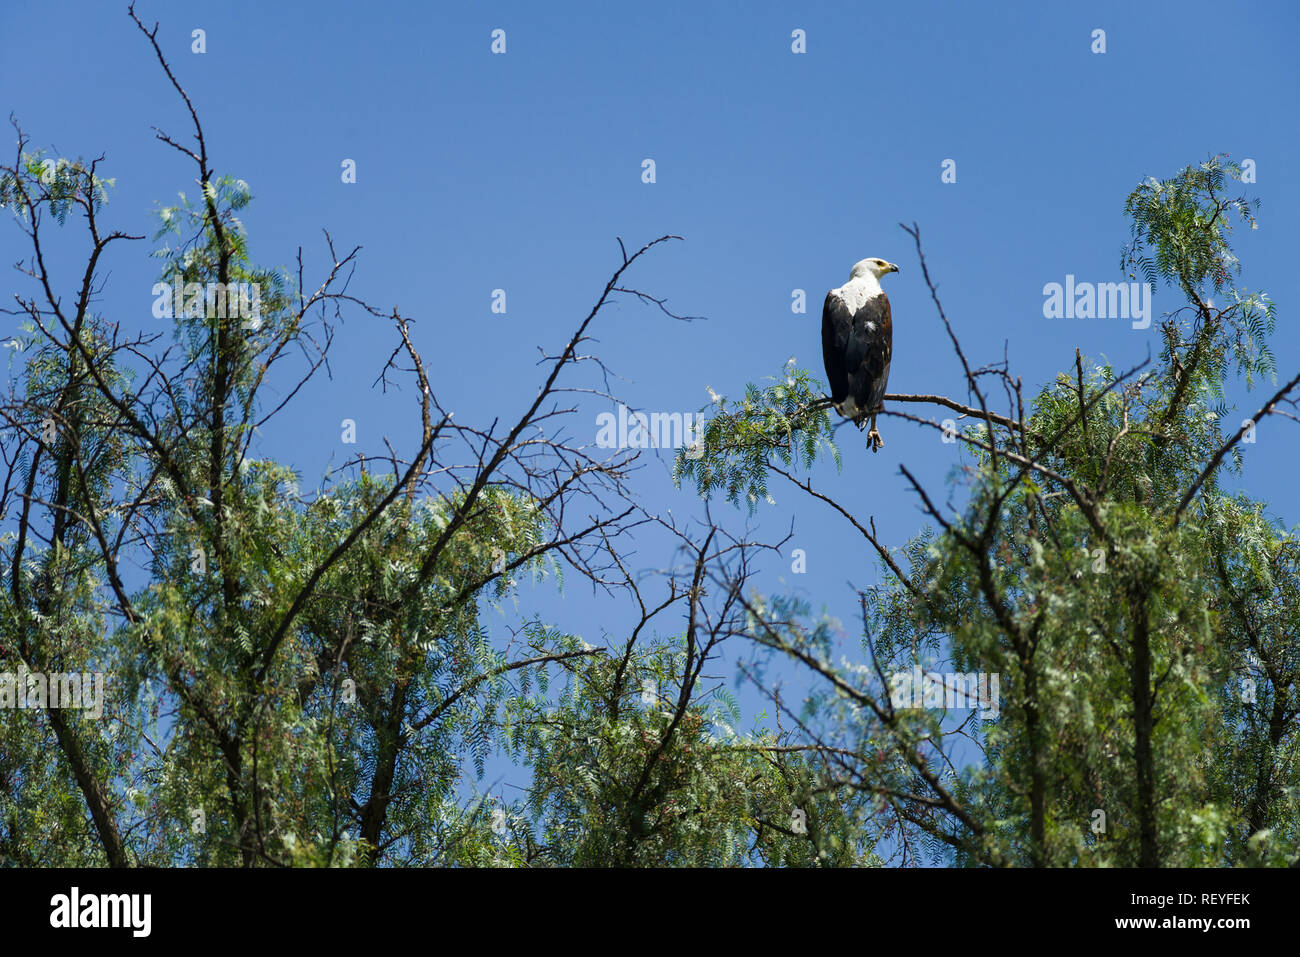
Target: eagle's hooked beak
x=893, y=268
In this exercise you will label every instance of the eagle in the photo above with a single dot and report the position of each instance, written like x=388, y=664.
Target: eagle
x=857, y=337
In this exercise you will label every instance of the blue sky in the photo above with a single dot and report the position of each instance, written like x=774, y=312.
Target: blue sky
x=478, y=171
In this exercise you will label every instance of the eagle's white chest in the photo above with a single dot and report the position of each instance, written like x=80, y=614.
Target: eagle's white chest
x=857, y=292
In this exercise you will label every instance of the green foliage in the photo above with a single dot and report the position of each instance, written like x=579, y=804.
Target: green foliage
x=1146, y=652
x=50, y=184
x=310, y=679
x=786, y=422
x=1181, y=225
x=621, y=778
x=1181, y=229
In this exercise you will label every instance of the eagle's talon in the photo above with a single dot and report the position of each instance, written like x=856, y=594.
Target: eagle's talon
x=877, y=443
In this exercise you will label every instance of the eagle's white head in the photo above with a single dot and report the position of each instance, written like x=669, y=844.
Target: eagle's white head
x=873, y=267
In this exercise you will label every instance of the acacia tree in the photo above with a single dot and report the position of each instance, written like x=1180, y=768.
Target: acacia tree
x=1141, y=617
x=294, y=675
x=644, y=761
x=298, y=677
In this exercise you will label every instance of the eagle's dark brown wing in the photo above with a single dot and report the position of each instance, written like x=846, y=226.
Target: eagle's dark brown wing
x=856, y=348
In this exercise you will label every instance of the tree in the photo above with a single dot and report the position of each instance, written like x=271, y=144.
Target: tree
x=290, y=670
x=300, y=676
x=1140, y=616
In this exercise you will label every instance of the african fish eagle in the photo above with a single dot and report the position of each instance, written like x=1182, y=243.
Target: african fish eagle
x=857, y=337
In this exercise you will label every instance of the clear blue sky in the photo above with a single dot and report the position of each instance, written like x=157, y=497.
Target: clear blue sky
x=478, y=171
